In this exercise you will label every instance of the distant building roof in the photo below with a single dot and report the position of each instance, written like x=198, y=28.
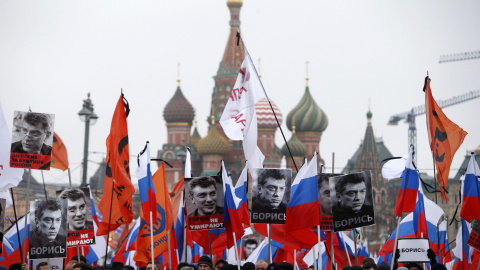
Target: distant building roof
x=383, y=153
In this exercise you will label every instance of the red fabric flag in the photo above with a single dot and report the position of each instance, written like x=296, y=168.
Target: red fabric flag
x=445, y=137
x=117, y=176
x=59, y=154
x=161, y=226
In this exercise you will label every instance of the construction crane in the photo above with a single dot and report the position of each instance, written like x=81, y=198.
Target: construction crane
x=459, y=56
x=409, y=116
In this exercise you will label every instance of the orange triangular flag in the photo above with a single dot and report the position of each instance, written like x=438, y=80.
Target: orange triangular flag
x=59, y=153
x=445, y=137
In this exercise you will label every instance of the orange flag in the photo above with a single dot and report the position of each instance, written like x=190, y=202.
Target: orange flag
x=117, y=175
x=59, y=154
x=161, y=226
x=445, y=137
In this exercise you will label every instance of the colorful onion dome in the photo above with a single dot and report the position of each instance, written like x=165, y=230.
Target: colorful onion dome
x=213, y=143
x=195, y=135
x=369, y=114
x=265, y=116
x=235, y=3
x=307, y=116
x=297, y=148
x=178, y=109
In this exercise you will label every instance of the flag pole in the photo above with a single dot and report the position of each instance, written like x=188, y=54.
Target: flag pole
x=169, y=249
x=314, y=260
x=44, y=188
x=209, y=245
x=319, y=243
x=294, y=259
x=236, y=250
x=269, y=243
x=178, y=258
x=395, y=243
x=355, y=245
x=185, y=243
x=271, y=107
x=26, y=212
x=332, y=258
x=346, y=250
x=435, y=181
x=16, y=224
x=151, y=239
x=109, y=218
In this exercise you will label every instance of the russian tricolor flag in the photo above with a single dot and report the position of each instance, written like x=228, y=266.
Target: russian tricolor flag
x=145, y=186
x=463, y=251
x=444, y=246
x=232, y=215
x=471, y=192
x=304, y=200
x=419, y=217
x=409, y=187
x=241, y=192
x=261, y=252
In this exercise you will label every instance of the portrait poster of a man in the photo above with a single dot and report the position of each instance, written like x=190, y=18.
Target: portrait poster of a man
x=32, y=138
x=79, y=216
x=352, y=203
x=325, y=202
x=204, y=202
x=270, y=195
x=48, y=229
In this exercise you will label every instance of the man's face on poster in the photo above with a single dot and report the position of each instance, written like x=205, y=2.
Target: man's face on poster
x=272, y=191
x=324, y=199
x=353, y=196
x=33, y=137
x=49, y=224
x=249, y=248
x=76, y=214
x=205, y=198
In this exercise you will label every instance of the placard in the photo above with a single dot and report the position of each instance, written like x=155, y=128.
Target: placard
x=270, y=195
x=204, y=202
x=413, y=250
x=55, y=264
x=352, y=203
x=32, y=138
x=474, y=237
x=48, y=229
x=79, y=216
x=325, y=202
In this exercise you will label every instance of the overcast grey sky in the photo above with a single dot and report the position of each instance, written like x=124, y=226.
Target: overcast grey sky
x=52, y=53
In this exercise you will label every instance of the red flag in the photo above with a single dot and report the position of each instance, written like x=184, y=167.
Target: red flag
x=59, y=154
x=445, y=137
x=117, y=175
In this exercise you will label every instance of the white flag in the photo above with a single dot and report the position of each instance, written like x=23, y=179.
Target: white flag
x=239, y=120
x=9, y=177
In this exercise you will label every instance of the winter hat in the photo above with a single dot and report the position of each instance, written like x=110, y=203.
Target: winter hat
x=205, y=260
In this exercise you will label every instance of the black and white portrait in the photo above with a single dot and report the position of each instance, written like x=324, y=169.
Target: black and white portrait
x=32, y=138
x=270, y=195
x=249, y=246
x=79, y=216
x=204, y=201
x=48, y=229
x=352, y=203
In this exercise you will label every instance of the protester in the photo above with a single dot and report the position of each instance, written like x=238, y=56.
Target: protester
x=70, y=264
x=156, y=267
x=204, y=263
x=220, y=263
x=273, y=266
x=369, y=264
x=261, y=265
x=285, y=266
x=383, y=266
x=117, y=265
x=82, y=266
x=76, y=257
x=183, y=265
x=413, y=266
x=248, y=266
